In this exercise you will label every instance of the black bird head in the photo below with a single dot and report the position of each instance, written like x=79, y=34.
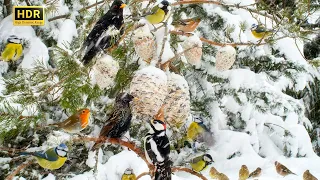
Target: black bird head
x=164, y=5
x=157, y=125
x=207, y=158
x=124, y=98
x=118, y=5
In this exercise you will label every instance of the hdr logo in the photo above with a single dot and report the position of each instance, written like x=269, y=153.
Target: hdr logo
x=28, y=15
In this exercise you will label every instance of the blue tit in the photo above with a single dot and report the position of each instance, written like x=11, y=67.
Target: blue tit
x=201, y=162
x=195, y=129
x=53, y=158
x=259, y=31
x=128, y=175
x=159, y=13
x=13, y=49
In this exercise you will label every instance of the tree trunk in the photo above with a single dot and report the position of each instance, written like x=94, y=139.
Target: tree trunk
x=7, y=7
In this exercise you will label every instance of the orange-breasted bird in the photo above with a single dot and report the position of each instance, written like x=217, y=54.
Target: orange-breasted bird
x=186, y=25
x=76, y=122
x=282, y=170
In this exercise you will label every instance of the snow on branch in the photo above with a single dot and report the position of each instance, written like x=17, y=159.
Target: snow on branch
x=19, y=168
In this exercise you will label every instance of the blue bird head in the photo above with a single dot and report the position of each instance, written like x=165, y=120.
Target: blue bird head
x=198, y=120
x=14, y=39
x=254, y=26
x=62, y=150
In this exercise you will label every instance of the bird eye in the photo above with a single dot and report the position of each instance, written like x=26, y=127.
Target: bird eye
x=83, y=111
x=115, y=6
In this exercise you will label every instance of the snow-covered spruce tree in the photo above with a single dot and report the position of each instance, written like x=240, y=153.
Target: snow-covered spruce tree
x=253, y=109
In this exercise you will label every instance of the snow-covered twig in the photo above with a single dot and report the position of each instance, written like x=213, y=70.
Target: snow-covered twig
x=166, y=64
x=82, y=9
x=19, y=168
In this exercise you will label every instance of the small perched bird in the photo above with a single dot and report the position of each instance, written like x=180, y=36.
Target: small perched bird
x=105, y=32
x=201, y=162
x=197, y=131
x=119, y=121
x=13, y=49
x=157, y=149
x=282, y=170
x=75, y=123
x=186, y=25
x=53, y=158
x=255, y=173
x=158, y=13
x=213, y=173
x=128, y=175
x=259, y=31
x=308, y=176
x=243, y=172
x=222, y=176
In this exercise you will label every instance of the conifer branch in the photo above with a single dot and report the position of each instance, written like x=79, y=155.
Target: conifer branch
x=19, y=168
x=81, y=10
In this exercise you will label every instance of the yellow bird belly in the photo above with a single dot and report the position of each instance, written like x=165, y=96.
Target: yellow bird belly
x=157, y=17
x=193, y=131
x=52, y=164
x=12, y=52
x=128, y=177
x=260, y=35
x=198, y=166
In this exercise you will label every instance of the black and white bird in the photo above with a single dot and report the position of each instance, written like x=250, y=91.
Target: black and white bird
x=119, y=120
x=157, y=149
x=105, y=32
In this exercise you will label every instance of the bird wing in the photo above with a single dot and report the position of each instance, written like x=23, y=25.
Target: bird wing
x=112, y=121
x=196, y=159
x=149, y=145
x=261, y=29
x=49, y=155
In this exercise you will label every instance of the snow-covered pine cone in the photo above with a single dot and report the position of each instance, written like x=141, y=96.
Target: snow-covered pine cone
x=149, y=85
x=177, y=102
x=144, y=43
x=194, y=54
x=225, y=58
x=105, y=71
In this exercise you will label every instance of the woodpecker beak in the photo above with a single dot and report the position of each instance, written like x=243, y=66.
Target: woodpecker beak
x=123, y=6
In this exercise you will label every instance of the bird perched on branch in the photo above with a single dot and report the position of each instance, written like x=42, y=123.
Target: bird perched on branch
x=243, y=172
x=308, y=176
x=157, y=149
x=75, y=123
x=53, y=158
x=186, y=25
x=259, y=31
x=105, y=32
x=128, y=175
x=201, y=162
x=119, y=121
x=13, y=49
x=197, y=131
x=282, y=170
x=255, y=173
x=158, y=13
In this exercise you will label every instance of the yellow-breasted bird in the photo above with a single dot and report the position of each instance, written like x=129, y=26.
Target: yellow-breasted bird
x=308, y=176
x=128, y=175
x=158, y=13
x=222, y=176
x=13, y=49
x=76, y=122
x=186, y=25
x=214, y=173
x=255, y=173
x=198, y=131
x=105, y=32
x=201, y=162
x=259, y=31
x=282, y=170
x=243, y=172
x=53, y=158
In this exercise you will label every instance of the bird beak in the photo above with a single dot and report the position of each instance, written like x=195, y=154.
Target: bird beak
x=136, y=99
x=123, y=6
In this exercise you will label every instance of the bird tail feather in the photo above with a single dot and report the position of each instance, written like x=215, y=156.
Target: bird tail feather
x=25, y=153
x=163, y=170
